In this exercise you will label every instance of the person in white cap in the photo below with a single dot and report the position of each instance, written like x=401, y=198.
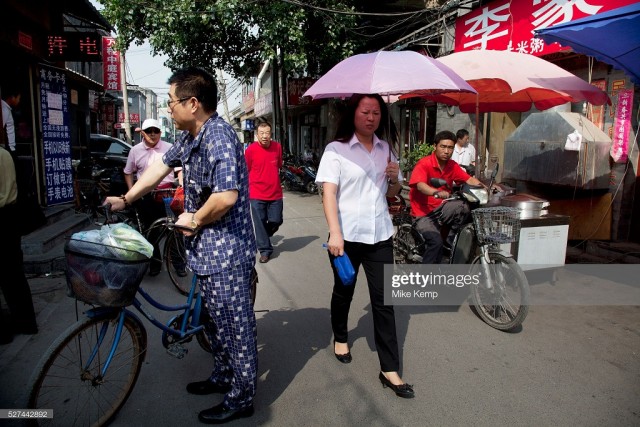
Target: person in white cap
x=151, y=207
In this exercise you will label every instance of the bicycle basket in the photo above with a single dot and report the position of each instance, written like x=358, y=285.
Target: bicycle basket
x=103, y=275
x=497, y=224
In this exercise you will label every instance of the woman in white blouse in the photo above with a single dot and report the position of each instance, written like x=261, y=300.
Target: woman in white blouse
x=358, y=171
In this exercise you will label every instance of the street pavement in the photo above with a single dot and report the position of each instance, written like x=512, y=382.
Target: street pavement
x=567, y=365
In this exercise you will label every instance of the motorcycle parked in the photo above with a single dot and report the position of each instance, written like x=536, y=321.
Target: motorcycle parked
x=299, y=177
x=503, y=301
x=310, y=171
x=291, y=178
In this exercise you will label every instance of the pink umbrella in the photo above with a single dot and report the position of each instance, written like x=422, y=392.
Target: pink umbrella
x=387, y=73
x=512, y=82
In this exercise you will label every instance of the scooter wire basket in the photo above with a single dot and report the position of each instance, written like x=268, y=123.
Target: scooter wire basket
x=497, y=225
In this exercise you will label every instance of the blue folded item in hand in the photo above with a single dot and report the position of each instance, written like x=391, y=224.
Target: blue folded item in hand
x=344, y=268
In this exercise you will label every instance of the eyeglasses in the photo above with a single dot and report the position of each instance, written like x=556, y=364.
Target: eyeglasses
x=152, y=130
x=169, y=101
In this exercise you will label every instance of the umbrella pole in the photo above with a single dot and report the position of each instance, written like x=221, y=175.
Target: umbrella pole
x=479, y=170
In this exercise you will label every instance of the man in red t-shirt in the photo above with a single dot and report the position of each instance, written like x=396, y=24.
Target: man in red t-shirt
x=264, y=160
x=425, y=199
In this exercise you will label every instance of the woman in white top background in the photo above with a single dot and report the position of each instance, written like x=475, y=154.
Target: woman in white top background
x=357, y=172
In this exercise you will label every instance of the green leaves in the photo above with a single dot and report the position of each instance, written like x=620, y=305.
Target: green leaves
x=235, y=35
x=409, y=161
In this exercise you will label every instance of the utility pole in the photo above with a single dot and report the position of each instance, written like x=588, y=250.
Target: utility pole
x=223, y=95
x=125, y=99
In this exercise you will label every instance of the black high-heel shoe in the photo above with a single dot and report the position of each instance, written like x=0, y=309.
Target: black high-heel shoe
x=342, y=358
x=403, y=390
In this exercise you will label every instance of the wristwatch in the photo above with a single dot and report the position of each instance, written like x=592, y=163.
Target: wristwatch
x=194, y=224
x=436, y=195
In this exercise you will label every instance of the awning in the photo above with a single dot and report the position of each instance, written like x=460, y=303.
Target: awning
x=612, y=37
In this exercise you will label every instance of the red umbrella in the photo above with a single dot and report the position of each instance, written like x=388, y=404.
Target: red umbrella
x=512, y=82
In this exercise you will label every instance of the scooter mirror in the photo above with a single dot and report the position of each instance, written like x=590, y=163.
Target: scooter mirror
x=437, y=182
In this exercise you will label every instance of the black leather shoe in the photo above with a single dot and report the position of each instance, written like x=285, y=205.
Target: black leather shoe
x=403, y=390
x=221, y=414
x=342, y=358
x=207, y=387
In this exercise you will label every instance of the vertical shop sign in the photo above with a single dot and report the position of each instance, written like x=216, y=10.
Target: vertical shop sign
x=54, y=107
x=620, y=139
x=110, y=64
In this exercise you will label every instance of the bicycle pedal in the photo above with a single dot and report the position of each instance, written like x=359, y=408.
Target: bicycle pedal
x=177, y=350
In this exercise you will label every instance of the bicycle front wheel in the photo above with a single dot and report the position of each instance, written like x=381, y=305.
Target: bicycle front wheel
x=69, y=378
x=503, y=304
x=176, y=262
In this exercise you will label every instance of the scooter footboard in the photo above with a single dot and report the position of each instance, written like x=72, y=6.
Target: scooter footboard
x=465, y=246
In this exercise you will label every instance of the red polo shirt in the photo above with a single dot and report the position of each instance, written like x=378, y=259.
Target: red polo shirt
x=264, y=167
x=428, y=168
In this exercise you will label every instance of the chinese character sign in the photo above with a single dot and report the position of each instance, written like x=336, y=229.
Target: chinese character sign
x=74, y=46
x=54, y=105
x=509, y=24
x=620, y=137
x=297, y=87
x=110, y=64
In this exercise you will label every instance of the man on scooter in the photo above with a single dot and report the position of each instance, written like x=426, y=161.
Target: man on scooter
x=427, y=208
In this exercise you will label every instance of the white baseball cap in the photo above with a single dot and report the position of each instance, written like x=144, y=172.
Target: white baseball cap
x=151, y=123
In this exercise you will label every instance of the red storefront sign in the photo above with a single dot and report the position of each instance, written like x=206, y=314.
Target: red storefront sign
x=133, y=118
x=297, y=88
x=509, y=24
x=25, y=40
x=110, y=64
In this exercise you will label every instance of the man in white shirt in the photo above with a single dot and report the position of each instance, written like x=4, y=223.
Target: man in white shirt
x=464, y=153
x=10, y=100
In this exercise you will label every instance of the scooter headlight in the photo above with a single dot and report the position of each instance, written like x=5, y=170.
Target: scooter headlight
x=481, y=193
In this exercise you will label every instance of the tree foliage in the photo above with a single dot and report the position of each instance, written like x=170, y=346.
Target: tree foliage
x=237, y=35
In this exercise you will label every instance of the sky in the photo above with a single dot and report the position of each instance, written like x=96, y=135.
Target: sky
x=147, y=71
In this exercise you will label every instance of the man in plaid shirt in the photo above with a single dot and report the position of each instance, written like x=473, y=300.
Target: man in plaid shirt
x=221, y=245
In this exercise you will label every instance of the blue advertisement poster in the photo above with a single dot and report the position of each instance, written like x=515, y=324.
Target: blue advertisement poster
x=54, y=105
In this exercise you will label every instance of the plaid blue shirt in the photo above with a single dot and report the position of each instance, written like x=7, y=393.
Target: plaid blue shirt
x=213, y=162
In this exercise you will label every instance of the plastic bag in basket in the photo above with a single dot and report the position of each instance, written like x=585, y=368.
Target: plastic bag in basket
x=125, y=242
x=85, y=242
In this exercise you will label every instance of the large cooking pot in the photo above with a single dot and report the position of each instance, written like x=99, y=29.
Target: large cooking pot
x=498, y=191
x=531, y=206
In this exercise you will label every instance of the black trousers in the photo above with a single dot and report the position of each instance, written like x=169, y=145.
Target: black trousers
x=13, y=281
x=372, y=258
x=452, y=214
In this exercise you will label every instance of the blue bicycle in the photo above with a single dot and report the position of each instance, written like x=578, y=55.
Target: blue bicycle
x=88, y=373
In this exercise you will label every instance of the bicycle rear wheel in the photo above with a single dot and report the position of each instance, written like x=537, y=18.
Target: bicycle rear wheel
x=201, y=336
x=505, y=304
x=69, y=377
x=176, y=262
